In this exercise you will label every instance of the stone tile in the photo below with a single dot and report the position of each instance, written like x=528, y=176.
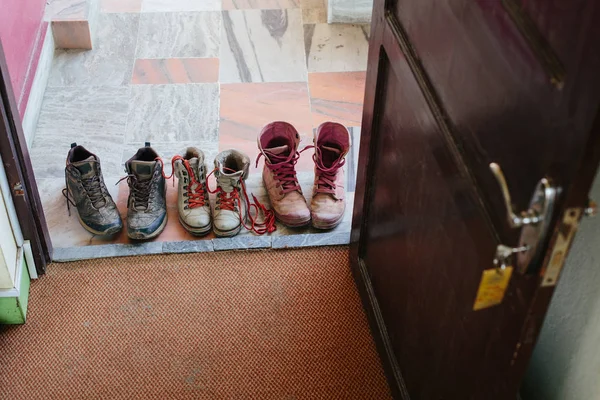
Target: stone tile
x=262, y=46
x=175, y=70
x=247, y=107
x=336, y=48
x=66, y=231
x=314, y=11
x=95, y=117
x=180, y=5
x=169, y=113
x=106, y=251
x=259, y=4
x=188, y=246
x=110, y=62
x=311, y=240
x=350, y=11
x=242, y=242
x=120, y=6
x=337, y=96
x=179, y=34
x=64, y=9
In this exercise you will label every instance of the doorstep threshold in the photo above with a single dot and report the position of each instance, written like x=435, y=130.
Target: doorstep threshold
x=246, y=242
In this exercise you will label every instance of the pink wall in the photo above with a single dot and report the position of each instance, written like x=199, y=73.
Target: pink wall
x=22, y=32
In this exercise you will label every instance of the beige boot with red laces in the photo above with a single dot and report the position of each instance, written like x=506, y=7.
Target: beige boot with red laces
x=332, y=143
x=278, y=143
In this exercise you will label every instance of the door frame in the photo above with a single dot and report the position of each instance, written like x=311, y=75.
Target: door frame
x=20, y=174
x=575, y=197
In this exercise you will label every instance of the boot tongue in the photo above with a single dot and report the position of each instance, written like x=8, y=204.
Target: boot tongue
x=88, y=167
x=195, y=166
x=277, y=154
x=143, y=170
x=228, y=180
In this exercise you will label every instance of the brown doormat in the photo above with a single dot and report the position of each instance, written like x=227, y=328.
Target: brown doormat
x=226, y=325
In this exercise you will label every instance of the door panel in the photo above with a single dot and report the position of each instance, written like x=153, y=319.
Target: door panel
x=426, y=244
x=451, y=87
x=497, y=93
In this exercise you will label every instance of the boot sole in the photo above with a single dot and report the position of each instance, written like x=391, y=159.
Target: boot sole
x=291, y=224
x=141, y=236
x=230, y=233
x=326, y=226
x=95, y=232
x=195, y=231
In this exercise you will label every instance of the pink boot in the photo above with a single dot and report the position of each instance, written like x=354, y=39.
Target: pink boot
x=332, y=143
x=278, y=143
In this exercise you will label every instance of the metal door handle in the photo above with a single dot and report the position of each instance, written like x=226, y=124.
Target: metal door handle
x=535, y=221
x=528, y=217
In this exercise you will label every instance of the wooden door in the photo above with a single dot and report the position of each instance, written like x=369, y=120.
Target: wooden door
x=453, y=86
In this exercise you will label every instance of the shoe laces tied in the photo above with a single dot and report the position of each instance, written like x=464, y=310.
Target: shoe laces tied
x=229, y=196
x=326, y=175
x=284, y=170
x=94, y=189
x=195, y=190
x=140, y=190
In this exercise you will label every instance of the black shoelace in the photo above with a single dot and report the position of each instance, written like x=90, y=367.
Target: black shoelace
x=140, y=190
x=94, y=188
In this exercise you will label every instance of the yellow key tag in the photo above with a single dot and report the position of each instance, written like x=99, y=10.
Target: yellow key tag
x=492, y=287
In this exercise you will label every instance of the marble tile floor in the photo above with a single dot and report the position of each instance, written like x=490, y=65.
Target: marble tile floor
x=204, y=73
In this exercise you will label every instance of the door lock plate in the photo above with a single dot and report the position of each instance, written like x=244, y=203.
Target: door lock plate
x=533, y=236
x=565, y=233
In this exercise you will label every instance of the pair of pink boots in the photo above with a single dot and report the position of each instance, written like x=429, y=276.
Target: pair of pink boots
x=278, y=142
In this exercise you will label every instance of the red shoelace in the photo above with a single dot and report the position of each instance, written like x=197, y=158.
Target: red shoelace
x=326, y=176
x=284, y=171
x=232, y=199
x=194, y=189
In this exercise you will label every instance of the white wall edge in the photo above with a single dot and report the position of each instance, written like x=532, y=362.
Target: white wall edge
x=28, y=252
x=15, y=291
x=38, y=87
x=10, y=206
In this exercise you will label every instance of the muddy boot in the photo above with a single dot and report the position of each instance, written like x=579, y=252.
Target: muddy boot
x=278, y=143
x=192, y=197
x=85, y=189
x=146, y=205
x=231, y=204
x=332, y=143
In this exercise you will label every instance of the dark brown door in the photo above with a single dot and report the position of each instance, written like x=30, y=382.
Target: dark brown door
x=453, y=86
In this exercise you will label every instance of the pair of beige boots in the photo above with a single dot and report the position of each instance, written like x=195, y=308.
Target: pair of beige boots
x=278, y=142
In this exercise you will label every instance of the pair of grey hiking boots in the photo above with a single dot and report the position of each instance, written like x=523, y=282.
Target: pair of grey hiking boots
x=146, y=205
x=98, y=213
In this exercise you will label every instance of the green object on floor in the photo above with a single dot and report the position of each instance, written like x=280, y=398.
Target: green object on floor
x=13, y=310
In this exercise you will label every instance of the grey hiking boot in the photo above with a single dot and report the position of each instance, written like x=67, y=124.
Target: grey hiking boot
x=192, y=196
x=231, y=208
x=146, y=205
x=85, y=189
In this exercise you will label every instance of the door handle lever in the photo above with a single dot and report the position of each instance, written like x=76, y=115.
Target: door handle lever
x=534, y=222
x=528, y=217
